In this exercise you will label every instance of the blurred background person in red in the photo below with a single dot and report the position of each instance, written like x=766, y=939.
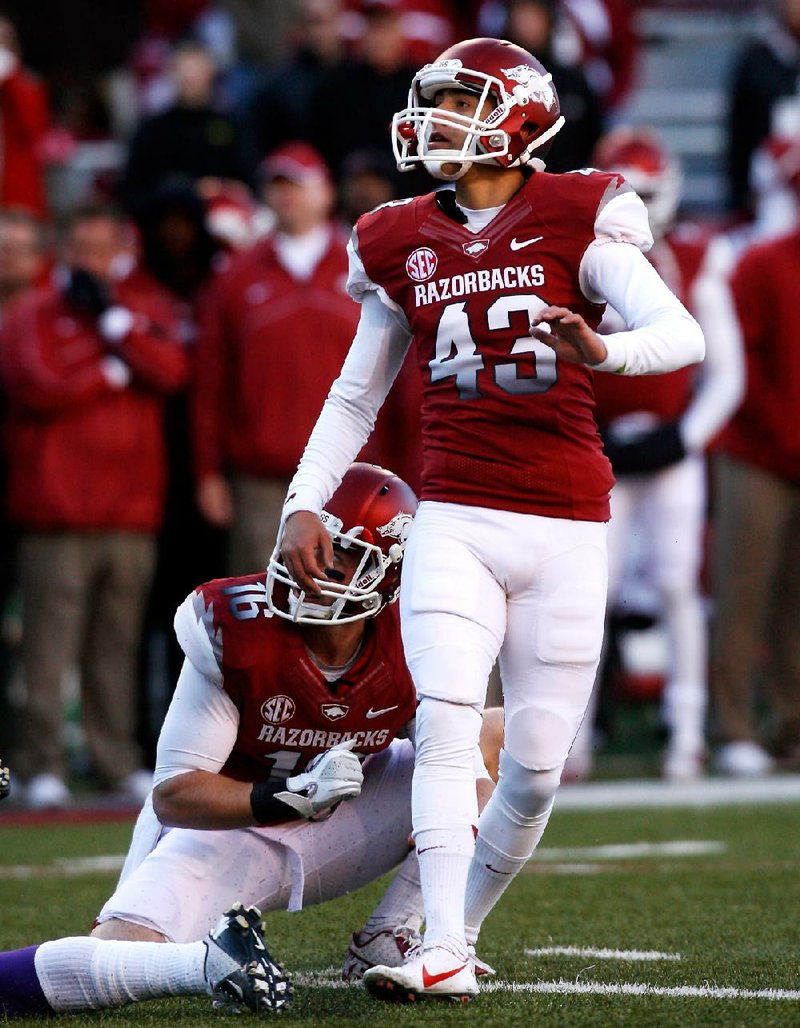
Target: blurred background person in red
x=24, y=122
x=273, y=334
x=655, y=434
x=86, y=363
x=755, y=652
x=23, y=265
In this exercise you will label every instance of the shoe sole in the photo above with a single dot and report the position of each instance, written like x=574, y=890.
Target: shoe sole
x=392, y=992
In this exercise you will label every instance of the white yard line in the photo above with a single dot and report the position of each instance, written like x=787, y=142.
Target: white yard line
x=601, y=954
x=64, y=867
x=329, y=979
x=632, y=850
x=706, y=792
x=641, y=989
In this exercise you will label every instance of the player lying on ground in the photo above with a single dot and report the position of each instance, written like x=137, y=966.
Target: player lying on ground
x=280, y=700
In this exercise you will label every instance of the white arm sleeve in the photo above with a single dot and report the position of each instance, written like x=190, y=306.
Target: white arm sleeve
x=662, y=335
x=348, y=415
x=722, y=378
x=199, y=730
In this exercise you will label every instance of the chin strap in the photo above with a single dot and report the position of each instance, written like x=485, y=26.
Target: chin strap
x=446, y=202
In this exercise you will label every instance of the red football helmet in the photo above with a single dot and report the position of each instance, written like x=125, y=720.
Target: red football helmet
x=520, y=91
x=371, y=511
x=640, y=157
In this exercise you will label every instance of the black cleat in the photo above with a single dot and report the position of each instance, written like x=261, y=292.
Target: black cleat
x=239, y=970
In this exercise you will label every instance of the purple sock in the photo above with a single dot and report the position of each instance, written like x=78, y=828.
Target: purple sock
x=20, y=991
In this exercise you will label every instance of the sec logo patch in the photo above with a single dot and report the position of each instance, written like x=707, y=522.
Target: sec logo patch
x=421, y=264
x=278, y=709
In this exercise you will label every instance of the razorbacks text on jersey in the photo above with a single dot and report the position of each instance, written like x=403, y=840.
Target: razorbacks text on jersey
x=505, y=424
x=288, y=711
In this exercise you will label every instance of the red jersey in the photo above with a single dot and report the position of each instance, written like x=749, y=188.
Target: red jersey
x=504, y=424
x=288, y=711
x=677, y=259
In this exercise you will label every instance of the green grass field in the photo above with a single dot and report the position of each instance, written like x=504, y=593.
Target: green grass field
x=725, y=917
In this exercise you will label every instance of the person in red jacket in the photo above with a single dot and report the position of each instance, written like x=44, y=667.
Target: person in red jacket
x=756, y=586
x=24, y=122
x=273, y=336
x=86, y=364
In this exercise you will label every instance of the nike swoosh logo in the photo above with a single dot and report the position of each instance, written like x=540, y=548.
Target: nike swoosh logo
x=432, y=979
x=490, y=868
x=526, y=242
x=377, y=713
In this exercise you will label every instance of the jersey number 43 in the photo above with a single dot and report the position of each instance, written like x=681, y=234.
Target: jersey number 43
x=457, y=356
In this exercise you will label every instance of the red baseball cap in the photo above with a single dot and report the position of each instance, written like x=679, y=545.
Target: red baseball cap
x=297, y=162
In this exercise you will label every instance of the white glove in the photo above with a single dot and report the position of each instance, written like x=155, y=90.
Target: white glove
x=5, y=782
x=116, y=372
x=115, y=324
x=331, y=776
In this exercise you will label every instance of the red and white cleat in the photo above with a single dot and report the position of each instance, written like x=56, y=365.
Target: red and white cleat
x=388, y=948
x=432, y=972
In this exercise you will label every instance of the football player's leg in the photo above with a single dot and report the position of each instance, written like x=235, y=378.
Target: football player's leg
x=627, y=498
x=674, y=515
x=364, y=838
x=453, y=616
x=549, y=660
x=181, y=887
x=174, y=895
x=87, y=973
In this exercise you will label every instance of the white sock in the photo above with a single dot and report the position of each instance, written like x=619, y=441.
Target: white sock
x=444, y=861
x=402, y=902
x=506, y=841
x=445, y=812
x=84, y=973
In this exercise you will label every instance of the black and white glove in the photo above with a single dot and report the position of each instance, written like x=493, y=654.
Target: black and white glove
x=5, y=782
x=646, y=452
x=86, y=293
x=331, y=777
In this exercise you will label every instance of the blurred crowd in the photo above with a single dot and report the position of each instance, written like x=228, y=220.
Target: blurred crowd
x=175, y=202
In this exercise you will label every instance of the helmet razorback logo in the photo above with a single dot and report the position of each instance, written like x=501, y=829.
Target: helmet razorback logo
x=397, y=528
x=278, y=709
x=532, y=86
x=421, y=264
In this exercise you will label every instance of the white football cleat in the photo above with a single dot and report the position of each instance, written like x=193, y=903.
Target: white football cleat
x=387, y=947
x=432, y=972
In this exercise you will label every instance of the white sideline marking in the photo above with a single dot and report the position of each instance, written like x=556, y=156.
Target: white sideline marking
x=640, y=989
x=602, y=954
x=706, y=792
x=329, y=979
x=71, y=867
x=632, y=850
